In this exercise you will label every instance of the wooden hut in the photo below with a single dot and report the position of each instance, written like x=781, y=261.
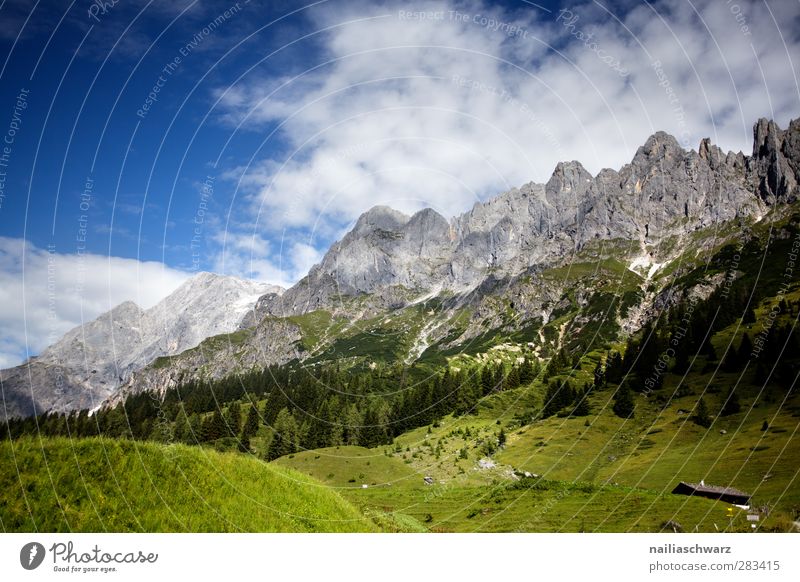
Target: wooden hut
x=726, y=494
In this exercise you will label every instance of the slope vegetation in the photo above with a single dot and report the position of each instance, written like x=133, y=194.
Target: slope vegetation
x=100, y=484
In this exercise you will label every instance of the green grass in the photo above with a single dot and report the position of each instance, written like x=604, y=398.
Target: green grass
x=550, y=506
x=351, y=467
x=599, y=473
x=316, y=327
x=98, y=485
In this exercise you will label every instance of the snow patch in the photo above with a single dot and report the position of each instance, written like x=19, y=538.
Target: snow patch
x=644, y=265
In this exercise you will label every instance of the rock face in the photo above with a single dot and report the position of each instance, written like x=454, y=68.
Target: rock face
x=90, y=362
x=665, y=191
x=271, y=341
x=774, y=168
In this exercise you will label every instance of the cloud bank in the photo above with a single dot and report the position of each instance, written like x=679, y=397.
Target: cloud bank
x=44, y=294
x=445, y=104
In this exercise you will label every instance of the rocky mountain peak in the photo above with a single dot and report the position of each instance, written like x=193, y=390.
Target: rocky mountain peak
x=664, y=191
x=568, y=186
x=127, y=309
x=380, y=218
x=767, y=138
x=92, y=360
x=658, y=146
x=774, y=168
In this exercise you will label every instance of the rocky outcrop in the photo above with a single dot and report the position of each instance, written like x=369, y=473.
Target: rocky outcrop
x=272, y=341
x=665, y=191
x=774, y=168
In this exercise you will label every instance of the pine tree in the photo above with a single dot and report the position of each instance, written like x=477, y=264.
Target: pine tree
x=527, y=373
x=749, y=316
x=730, y=362
x=233, y=419
x=701, y=416
x=501, y=438
x=745, y=349
x=181, y=430
x=285, y=433
x=731, y=405
x=582, y=402
x=251, y=425
x=624, y=405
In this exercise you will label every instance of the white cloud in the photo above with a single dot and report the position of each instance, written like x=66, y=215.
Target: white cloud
x=44, y=294
x=443, y=111
x=251, y=256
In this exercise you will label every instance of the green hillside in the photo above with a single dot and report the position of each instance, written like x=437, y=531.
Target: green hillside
x=512, y=422
x=101, y=484
x=596, y=473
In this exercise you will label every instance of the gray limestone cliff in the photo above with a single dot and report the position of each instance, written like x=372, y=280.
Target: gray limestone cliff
x=665, y=191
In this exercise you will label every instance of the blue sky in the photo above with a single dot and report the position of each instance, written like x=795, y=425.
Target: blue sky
x=275, y=124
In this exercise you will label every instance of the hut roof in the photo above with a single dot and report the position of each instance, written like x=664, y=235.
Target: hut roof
x=715, y=489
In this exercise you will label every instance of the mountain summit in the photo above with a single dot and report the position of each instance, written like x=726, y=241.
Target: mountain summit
x=665, y=191
x=90, y=362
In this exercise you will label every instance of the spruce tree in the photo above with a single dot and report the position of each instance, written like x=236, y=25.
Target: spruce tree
x=701, y=416
x=285, y=432
x=582, y=408
x=526, y=372
x=252, y=423
x=244, y=443
x=708, y=349
x=745, y=349
x=599, y=375
x=513, y=378
x=195, y=434
x=731, y=405
x=214, y=427
x=682, y=360
x=582, y=402
x=181, y=431
x=624, y=405
x=613, y=370
x=551, y=403
x=730, y=362
x=233, y=419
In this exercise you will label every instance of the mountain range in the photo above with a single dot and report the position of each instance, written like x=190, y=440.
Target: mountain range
x=90, y=362
x=423, y=288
